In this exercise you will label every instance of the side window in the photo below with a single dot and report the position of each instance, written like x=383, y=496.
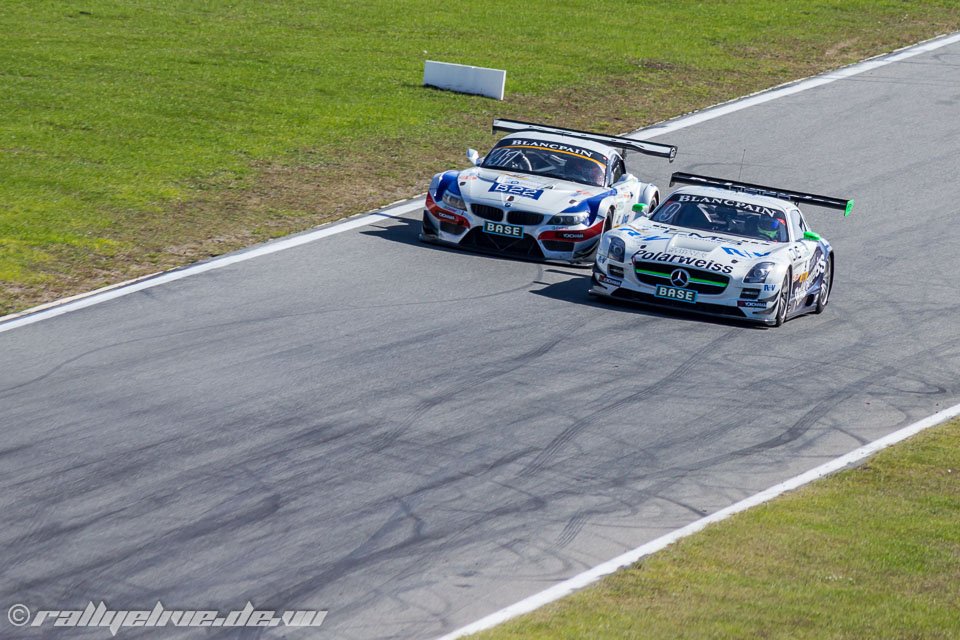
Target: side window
x=617, y=171
x=797, y=224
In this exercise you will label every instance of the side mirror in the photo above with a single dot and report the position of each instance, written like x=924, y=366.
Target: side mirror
x=640, y=207
x=473, y=156
x=810, y=235
x=625, y=178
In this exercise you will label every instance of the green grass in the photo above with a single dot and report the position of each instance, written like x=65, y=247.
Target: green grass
x=873, y=552
x=139, y=135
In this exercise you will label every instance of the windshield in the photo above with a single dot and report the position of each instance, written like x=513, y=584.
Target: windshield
x=551, y=159
x=724, y=216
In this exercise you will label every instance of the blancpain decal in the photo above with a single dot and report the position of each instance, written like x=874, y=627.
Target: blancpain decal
x=700, y=263
x=745, y=206
x=556, y=146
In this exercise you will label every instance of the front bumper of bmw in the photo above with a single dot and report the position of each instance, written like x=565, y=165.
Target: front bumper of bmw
x=516, y=233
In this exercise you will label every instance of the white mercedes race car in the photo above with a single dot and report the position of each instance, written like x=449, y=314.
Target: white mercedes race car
x=541, y=193
x=721, y=248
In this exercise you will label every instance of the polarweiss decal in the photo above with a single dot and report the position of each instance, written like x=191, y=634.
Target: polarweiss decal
x=673, y=258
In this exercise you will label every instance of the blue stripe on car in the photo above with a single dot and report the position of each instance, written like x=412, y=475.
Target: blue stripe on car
x=448, y=182
x=591, y=204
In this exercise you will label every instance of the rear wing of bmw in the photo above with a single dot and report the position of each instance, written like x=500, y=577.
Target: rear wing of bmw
x=667, y=151
x=796, y=197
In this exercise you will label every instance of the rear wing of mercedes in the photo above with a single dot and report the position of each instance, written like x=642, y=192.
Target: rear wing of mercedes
x=796, y=197
x=667, y=151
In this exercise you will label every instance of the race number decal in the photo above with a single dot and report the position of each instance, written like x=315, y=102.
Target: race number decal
x=517, y=190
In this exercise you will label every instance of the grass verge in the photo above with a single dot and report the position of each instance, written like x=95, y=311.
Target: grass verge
x=873, y=552
x=141, y=136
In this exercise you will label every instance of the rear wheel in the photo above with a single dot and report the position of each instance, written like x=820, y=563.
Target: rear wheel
x=783, y=301
x=825, y=285
x=651, y=205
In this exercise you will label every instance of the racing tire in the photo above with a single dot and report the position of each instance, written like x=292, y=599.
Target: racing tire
x=608, y=222
x=651, y=205
x=428, y=233
x=783, y=301
x=823, y=296
x=607, y=225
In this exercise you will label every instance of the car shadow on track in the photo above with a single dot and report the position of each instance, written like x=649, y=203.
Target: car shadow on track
x=408, y=232
x=575, y=288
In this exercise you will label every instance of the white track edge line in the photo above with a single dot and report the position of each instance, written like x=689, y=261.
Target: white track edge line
x=83, y=300
x=590, y=576
x=116, y=291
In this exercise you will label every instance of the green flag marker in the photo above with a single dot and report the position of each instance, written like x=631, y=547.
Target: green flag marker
x=849, y=208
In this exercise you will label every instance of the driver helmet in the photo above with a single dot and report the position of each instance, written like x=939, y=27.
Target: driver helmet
x=770, y=227
x=728, y=215
x=589, y=171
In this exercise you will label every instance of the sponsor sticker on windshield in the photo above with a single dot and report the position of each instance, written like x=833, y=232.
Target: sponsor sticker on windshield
x=517, y=190
x=745, y=206
x=553, y=146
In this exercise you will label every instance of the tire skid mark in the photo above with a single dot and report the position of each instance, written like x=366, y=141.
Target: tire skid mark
x=811, y=417
x=571, y=529
x=657, y=386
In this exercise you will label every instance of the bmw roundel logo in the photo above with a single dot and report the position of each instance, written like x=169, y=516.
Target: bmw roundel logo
x=679, y=278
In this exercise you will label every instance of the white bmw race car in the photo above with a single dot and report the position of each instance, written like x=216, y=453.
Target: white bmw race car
x=542, y=192
x=721, y=248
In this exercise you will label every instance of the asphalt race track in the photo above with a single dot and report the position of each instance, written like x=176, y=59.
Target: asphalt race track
x=412, y=437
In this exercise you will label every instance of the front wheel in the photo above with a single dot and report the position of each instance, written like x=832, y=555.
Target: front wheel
x=783, y=301
x=428, y=232
x=825, y=285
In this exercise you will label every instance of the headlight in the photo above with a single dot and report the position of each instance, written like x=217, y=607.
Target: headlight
x=759, y=272
x=569, y=219
x=617, y=249
x=453, y=201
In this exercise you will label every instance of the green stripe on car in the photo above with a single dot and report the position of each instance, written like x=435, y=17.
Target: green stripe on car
x=661, y=274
